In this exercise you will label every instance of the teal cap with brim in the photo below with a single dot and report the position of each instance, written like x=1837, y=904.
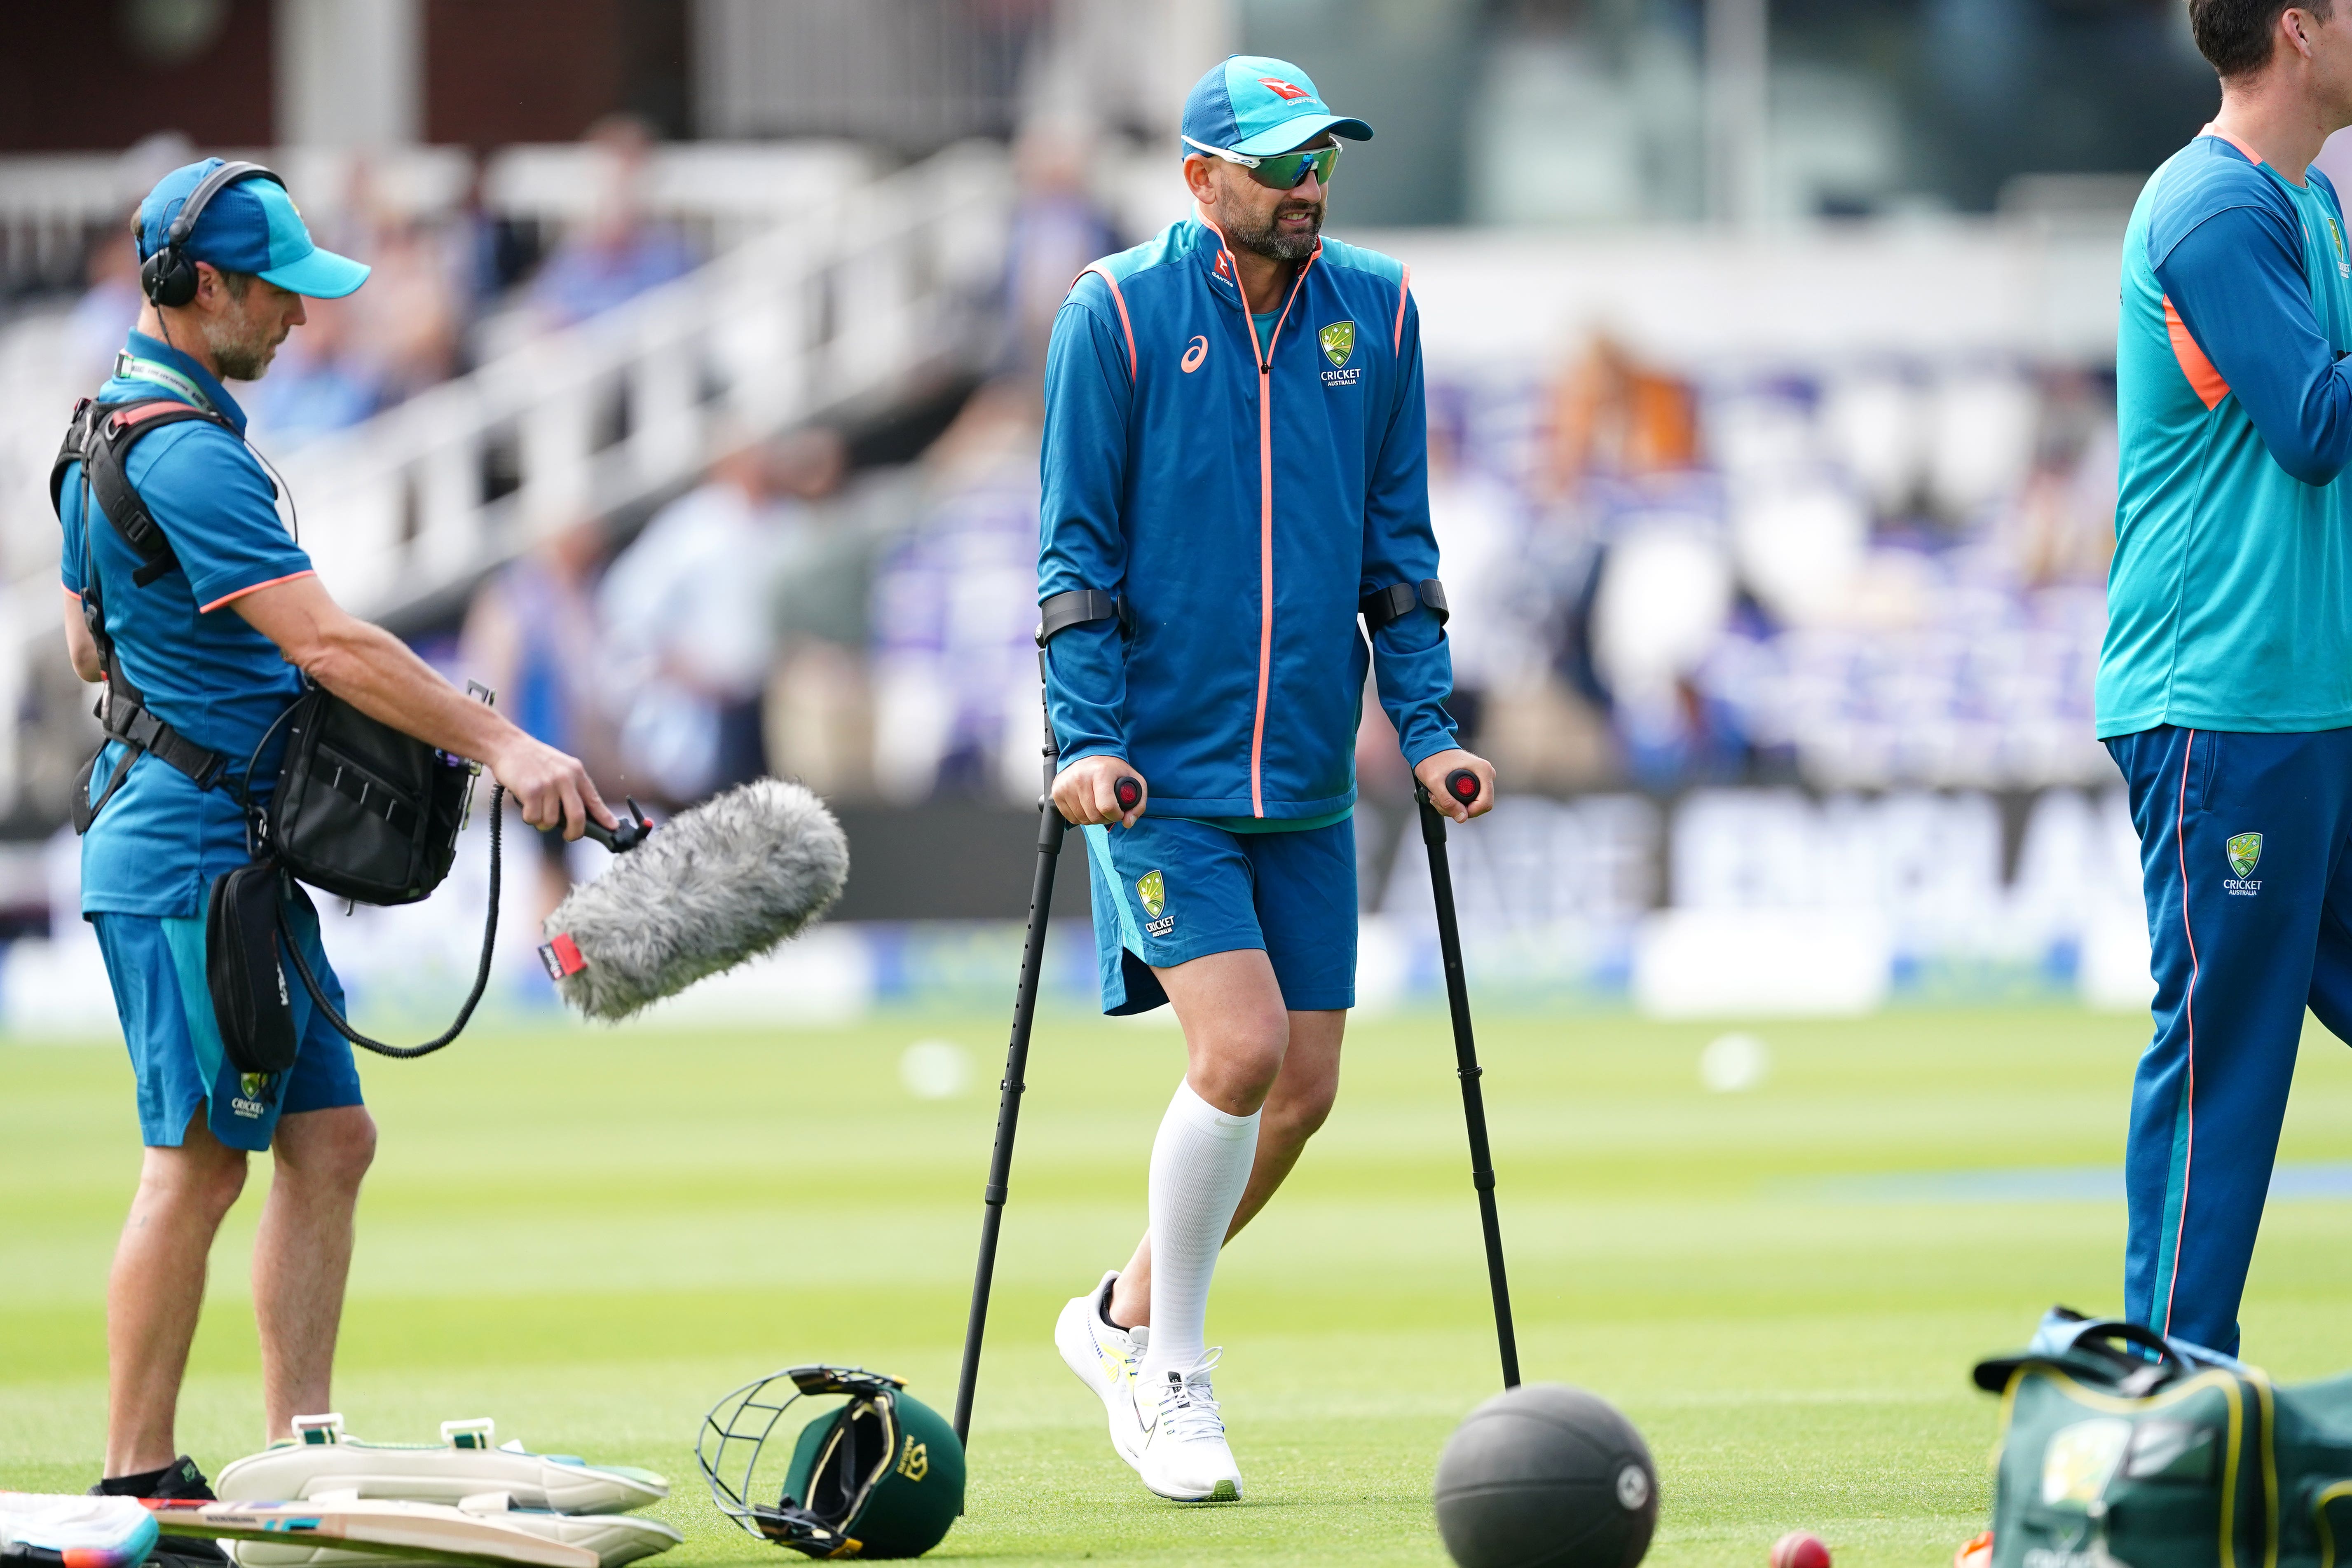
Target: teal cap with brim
x=1256, y=105
x=251, y=226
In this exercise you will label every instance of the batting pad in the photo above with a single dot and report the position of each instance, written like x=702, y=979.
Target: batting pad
x=84, y=1532
x=461, y=1466
x=615, y=1538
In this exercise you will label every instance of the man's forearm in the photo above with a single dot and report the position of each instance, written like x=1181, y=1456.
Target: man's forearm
x=381, y=676
x=376, y=673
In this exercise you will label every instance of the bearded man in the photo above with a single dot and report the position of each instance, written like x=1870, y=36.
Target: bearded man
x=1236, y=470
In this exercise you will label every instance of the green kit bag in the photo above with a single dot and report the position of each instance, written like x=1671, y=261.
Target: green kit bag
x=2121, y=1448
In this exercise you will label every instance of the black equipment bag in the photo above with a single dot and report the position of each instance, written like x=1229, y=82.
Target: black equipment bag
x=362, y=811
x=245, y=971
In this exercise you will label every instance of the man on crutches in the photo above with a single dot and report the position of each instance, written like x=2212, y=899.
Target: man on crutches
x=1234, y=474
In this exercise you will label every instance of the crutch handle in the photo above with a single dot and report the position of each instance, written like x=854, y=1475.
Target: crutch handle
x=1129, y=791
x=1463, y=785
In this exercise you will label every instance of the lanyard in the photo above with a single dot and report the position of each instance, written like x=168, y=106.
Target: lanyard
x=130, y=367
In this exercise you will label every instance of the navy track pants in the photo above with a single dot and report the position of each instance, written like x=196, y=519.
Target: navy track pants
x=2248, y=891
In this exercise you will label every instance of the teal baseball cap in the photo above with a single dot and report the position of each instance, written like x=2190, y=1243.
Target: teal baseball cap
x=1256, y=105
x=251, y=225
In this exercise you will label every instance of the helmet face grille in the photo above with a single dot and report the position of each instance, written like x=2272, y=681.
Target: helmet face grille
x=823, y=1479
x=734, y=1434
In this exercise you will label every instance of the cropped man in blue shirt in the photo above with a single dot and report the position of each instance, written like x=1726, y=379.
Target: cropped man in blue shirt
x=2225, y=683
x=1235, y=468
x=216, y=649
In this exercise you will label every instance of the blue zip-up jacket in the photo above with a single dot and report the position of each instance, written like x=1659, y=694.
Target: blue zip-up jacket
x=1239, y=506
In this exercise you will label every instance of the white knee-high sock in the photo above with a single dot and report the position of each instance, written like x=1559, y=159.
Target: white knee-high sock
x=1200, y=1164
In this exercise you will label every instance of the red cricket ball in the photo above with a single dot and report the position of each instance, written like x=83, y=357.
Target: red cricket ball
x=1800, y=1549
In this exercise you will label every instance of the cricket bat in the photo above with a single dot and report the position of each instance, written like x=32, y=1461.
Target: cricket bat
x=422, y=1530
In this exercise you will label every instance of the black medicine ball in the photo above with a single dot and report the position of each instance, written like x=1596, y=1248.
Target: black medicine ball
x=1545, y=1476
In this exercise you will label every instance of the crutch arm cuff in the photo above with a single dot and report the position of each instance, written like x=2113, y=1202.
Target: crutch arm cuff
x=1080, y=607
x=1385, y=606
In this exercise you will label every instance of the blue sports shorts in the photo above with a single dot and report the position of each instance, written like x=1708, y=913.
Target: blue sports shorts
x=1171, y=889
x=157, y=968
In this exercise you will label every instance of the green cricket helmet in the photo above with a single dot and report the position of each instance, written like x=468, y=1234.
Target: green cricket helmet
x=881, y=1476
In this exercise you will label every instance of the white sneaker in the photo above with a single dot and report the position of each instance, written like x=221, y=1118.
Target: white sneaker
x=1184, y=1453
x=1105, y=1357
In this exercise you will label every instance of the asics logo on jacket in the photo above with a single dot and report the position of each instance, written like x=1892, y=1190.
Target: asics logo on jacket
x=1240, y=511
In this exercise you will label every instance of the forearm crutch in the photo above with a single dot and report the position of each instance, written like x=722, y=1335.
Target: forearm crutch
x=1463, y=785
x=1050, y=829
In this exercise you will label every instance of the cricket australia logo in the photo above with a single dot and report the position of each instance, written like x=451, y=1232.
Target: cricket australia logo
x=916, y=1462
x=253, y=1100
x=2343, y=262
x=2245, y=854
x=1152, y=888
x=1339, y=344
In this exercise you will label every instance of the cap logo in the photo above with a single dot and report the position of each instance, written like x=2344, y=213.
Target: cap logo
x=1285, y=90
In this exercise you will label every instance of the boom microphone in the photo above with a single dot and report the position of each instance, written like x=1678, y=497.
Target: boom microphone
x=717, y=886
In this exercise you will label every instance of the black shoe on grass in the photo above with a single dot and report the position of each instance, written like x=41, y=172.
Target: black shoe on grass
x=179, y=1479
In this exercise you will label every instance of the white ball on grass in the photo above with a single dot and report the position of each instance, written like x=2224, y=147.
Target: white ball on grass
x=1734, y=1063
x=935, y=1069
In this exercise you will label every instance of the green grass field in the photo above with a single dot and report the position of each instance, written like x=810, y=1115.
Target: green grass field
x=591, y=1237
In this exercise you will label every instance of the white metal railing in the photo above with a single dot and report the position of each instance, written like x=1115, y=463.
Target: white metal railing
x=816, y=313
x=53, y=204
x=840, y=304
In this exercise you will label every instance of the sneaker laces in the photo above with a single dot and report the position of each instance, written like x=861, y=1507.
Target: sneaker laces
x=1188, y=1404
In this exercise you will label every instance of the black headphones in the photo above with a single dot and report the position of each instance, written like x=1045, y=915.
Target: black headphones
x=169, y=277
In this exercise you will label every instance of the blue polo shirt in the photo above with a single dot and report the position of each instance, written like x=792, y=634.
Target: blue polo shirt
x=161, y=840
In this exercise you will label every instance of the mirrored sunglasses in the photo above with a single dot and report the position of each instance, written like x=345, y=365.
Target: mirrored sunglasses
x=1280, y=171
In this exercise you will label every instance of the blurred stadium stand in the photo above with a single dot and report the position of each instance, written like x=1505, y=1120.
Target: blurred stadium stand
x=1770, y=352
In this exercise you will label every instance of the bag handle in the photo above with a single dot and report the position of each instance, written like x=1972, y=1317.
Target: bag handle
x=2136, y=1334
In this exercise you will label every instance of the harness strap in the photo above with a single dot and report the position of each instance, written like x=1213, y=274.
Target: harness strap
x=99, y=437
x=129, y=720
x=1079, y=607
x=1385, y=606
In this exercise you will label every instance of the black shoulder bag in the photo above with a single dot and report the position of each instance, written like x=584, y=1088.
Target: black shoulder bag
x=360, y=810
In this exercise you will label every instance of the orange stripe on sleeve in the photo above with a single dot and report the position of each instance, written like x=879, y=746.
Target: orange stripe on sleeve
x=1125, y=326
x=1404, y=283
x=258, y=587
x=2203, y=379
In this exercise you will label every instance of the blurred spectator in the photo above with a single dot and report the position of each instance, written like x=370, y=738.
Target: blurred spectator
x=955, y=613
x=1613, y=416
x=531, y=636
x=1056, y=228
x=2062, y=526
x=819, y=716
x=484, y=256
x=406, y=320
x=619, y=252
x=109, y=308
x=687, y=617
x=408, y=314
x=318, y=384
x=1482, y=542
